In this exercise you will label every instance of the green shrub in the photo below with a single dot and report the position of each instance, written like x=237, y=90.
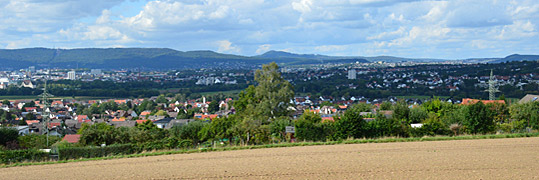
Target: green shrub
x=37, y=141
x=184, y=144
x=65, y=153
x=8, y=134
x=14, y=156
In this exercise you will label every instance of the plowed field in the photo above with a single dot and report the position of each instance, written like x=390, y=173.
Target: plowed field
x=516, y=158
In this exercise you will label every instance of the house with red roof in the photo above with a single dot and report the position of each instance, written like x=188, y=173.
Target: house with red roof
x=205, y=116
x=468, y=101
x=71, y=138
x=145, y=113
x=57, y=104
x=28, y=109
x=82, y=118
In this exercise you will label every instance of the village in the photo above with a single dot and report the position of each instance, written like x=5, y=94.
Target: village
x=166, y=112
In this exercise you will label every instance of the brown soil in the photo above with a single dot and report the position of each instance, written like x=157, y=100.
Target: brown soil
x=466, y=159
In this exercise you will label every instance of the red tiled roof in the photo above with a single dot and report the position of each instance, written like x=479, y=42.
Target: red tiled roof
x=140, y=121
x=120, y=119
x=31, y=121
x=144, y=113
x=57, y=102
x=325, y=119
x=468, y=101
x=54, y=124
x=72, y=138
x=29, y=108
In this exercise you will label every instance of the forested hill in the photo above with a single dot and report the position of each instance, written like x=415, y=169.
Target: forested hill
x=111, y=58
x=518, y=57
x=164, y=58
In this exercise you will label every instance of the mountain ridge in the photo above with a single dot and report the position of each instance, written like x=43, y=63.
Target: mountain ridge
x=166, y=58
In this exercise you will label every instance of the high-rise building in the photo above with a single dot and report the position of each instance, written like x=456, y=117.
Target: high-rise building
x=352, y=74
x=71, y=75
x=96, y=72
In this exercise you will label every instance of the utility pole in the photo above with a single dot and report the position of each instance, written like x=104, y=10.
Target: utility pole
x=492, y=90
x=46, y=111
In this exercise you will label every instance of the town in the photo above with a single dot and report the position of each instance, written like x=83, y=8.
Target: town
x=65, y=116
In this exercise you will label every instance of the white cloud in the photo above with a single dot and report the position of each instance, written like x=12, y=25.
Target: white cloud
x=263, y=48
x=226, y=46
x=392, y=34
x=518, y=30
x=330, y=48
x=389, y=27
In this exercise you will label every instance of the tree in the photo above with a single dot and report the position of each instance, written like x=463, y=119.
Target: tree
x=527, y=112
x=385, y=106
x=161, y=113
x=190, y=131
x=30, y=116
x=161, y=99
x=8, y=135
x=6, y=102
x=213, y=107
x=417, y=115
x=219, y=129
x=261, y=104
x=309, y=127
x=246, y=98
x=146, y=125
x=479, y=119
x=278, y=127
x=273, y=93
x=364, y=107
x=37, y=141
x=401, y=111
x=97, y=134
x=351, y=124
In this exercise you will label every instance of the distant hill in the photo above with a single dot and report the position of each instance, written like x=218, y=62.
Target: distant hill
x=164, y=58
x=517, y=57
x=151, y=58
x=114, y=58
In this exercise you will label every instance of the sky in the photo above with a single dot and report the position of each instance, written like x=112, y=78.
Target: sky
x=455, y=29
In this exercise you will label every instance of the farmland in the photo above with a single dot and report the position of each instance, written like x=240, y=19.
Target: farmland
x=512, y=158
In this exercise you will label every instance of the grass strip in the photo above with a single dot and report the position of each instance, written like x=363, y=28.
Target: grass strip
x=232, y=148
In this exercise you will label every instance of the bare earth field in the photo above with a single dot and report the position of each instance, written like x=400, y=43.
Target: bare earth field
x=516, y=158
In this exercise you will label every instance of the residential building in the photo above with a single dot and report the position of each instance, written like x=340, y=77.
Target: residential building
x=71, y=75
x=352, y=74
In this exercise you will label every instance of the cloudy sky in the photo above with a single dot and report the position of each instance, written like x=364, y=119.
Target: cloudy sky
x=407, y=28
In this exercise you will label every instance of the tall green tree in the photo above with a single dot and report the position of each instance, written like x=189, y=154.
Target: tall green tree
x=261, y=104
x=479, y=119
x=401, y=111
x=273, y=93
x=351, y=124
x=309, y=127
x=527, y=112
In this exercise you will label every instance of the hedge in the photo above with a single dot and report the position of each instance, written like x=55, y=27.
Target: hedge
x=14, y=156
x=95, y=151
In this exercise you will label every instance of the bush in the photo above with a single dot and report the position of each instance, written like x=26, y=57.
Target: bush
x=65, y=153
x=15, y=156
x=185, y=144
x=8, y=134
x=152, y=145
x=37, y=141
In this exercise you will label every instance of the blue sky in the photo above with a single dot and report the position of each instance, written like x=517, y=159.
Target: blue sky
x=453, y=29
